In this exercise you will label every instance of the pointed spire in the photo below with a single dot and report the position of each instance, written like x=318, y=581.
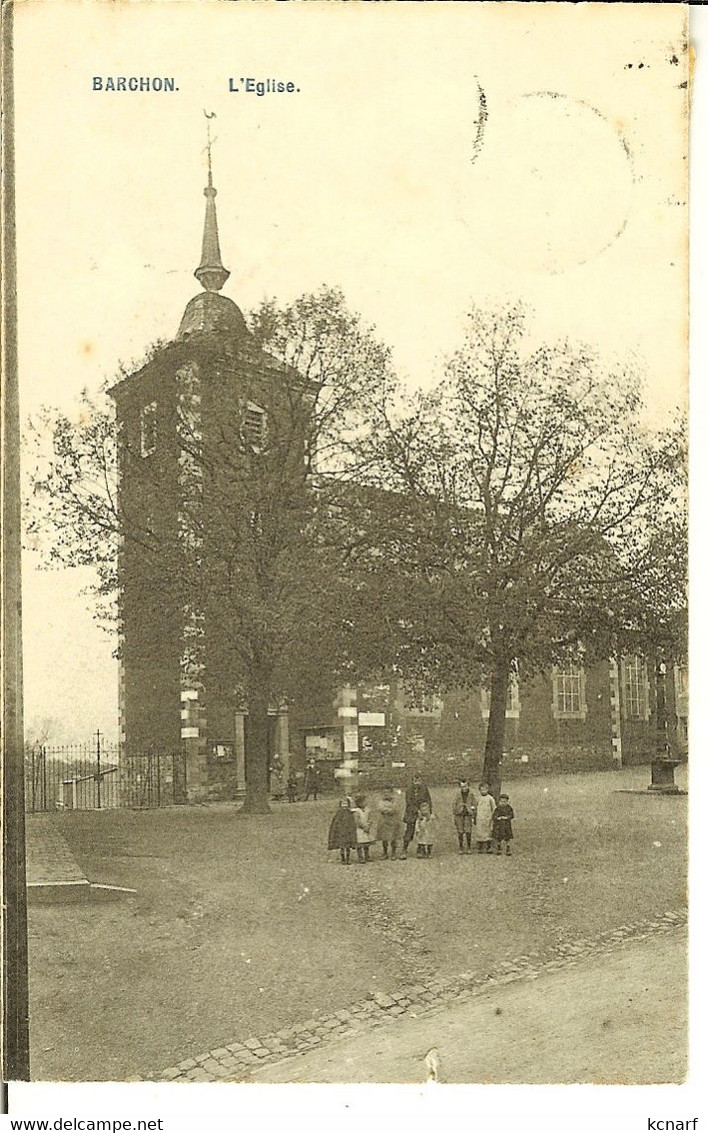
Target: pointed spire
x=211, y=273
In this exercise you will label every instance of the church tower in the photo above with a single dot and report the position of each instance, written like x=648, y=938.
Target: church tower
x=179, y=685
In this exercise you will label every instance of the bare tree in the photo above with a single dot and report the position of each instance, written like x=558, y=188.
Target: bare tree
x=537, y=508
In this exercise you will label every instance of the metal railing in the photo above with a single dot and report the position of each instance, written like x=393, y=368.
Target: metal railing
x=95, y=776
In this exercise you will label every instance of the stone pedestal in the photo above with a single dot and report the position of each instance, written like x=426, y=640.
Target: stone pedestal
x=662, y=776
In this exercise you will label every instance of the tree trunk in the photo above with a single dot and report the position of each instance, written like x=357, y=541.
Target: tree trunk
x=257, y=755
x=496, y=728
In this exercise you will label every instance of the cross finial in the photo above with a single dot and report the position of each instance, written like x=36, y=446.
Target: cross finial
x=208, y=145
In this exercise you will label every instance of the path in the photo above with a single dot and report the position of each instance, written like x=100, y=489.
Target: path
x=616, y=1019
x=53, y=873
x=611, y=1008
x=54, y=877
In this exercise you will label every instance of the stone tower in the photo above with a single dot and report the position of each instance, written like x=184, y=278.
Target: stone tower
x=179, y=692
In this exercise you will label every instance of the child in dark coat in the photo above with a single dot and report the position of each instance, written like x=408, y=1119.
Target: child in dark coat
x=342, y=830
x=292, y=787
x=501, y=824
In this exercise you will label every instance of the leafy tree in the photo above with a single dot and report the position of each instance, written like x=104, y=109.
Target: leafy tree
x=260, y=548
x=534, y=512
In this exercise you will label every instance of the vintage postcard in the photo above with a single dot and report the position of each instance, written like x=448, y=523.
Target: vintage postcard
x=353, y=370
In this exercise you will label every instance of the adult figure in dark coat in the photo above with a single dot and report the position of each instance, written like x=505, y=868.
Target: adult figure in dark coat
x=416, y=794
x=312, y=780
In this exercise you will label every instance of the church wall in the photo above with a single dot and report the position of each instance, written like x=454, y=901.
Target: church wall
x=447, y=742
x=150, y=630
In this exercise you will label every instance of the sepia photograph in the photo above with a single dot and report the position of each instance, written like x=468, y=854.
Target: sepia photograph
x=352, y=359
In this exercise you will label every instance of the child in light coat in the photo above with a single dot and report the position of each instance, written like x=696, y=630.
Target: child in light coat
x=389, y=826
x=362, y=818
x=483, y=821
x=425, y=831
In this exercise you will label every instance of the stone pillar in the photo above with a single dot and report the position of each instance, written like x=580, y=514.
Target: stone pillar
x=282, y=739
x=615, y=717
x=240, y=754
x=193, y=733
x=347, y=717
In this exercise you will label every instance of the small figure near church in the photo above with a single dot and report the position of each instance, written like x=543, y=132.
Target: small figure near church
x=483, y=820
x=312, y=780
x=362, y=818
x=277, y=778
x=342, y=830
x=425, y=831
x=389, y=827
x=464, y=809
x=292, y=787
x=501, y=824
x=416, y=794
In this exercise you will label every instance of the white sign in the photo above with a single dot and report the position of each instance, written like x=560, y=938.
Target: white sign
x=349, y=712
x=372, y=719
x=351, y=737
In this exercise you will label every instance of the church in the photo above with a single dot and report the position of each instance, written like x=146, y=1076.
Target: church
x=178, y=690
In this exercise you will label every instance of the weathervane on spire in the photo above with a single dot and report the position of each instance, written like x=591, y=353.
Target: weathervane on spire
x=211, y=273
x=208, y=145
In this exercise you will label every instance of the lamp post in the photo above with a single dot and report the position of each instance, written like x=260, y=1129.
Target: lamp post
x=662, y=766
x=661, y=743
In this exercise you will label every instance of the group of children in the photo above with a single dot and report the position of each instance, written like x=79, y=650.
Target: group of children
x=357, y=825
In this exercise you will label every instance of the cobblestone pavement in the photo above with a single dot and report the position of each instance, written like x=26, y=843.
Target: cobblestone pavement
x=49, y=859
x=238, y=1060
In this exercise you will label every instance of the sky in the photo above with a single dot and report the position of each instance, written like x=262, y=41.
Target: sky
x=433, y=156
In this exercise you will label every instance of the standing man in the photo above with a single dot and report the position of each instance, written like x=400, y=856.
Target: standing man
x=312, y=780
x=416, y=794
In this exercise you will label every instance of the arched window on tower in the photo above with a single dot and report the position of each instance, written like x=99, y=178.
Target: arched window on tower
x=253, y=425
x=148, y=429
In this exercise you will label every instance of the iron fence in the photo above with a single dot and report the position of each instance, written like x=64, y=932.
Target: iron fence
x=154, y=779
x=96, y=776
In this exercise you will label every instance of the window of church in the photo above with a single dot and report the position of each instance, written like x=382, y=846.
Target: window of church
x=428, y=705
x=635, y=687
x=254, y=425
x=513, y=703
x=148, y=429
x=569, y=701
